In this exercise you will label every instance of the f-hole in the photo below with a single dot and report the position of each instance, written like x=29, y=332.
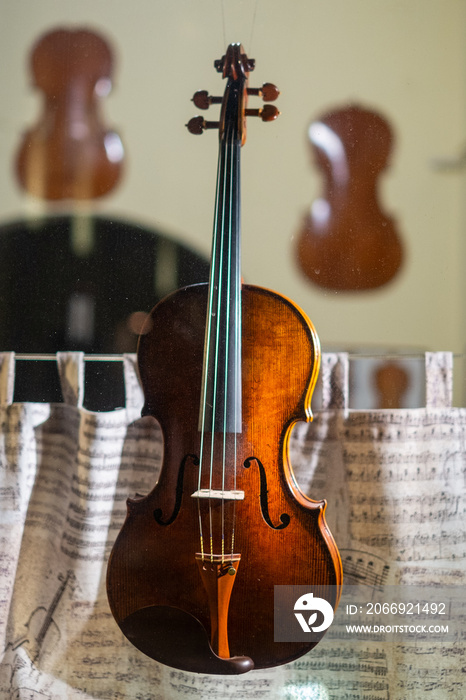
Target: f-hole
x=178, y=492
x=284, y=517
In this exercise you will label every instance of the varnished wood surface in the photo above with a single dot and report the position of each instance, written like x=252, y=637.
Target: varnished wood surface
x=70, y=153
x=153, y=564
x=347, y=241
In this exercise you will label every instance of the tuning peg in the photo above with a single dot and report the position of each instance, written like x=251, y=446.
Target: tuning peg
x=249, y=62
x=196, y=125
x=203, y=100
x=267, y=113
x=268, y=92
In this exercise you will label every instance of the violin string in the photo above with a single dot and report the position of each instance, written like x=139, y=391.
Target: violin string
x=229, y=169
x=238, y=330
x=207, y=340
x=220, y=282
x=253, y=26
x=219, y=320
x=223, y=24
x=225, y=371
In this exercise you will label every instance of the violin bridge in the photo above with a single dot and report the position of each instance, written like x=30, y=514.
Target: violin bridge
x=218, y=493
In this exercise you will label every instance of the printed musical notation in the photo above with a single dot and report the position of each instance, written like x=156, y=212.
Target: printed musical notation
x=42, y=630
x=396, y=489
x=363, y=568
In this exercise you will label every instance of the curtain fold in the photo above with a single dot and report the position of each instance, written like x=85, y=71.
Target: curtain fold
x=395, y=485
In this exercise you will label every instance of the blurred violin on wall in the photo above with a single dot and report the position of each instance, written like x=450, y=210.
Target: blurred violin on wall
x=227, y=369
x=70, y=277
x=70, y=153
x=347, y=242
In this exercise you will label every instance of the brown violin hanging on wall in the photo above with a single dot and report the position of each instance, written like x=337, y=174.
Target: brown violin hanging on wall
x=346, y=241
x=71, y=156
x=227, y=369
x=70, y=153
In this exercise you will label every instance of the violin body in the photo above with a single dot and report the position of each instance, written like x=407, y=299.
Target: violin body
x=227, y=369
x=70, y=153
x=347, y=242
x=152, y=563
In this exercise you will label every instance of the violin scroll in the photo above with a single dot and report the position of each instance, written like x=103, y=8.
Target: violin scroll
x=236, y=66
x=234, y=62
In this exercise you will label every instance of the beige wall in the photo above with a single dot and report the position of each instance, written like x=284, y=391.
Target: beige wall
x=406, y=58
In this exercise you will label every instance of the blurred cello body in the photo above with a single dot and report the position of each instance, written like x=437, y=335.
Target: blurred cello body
x=347, y=242
x=227, y=369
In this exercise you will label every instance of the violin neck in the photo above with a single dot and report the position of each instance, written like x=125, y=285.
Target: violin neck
x=221, y=382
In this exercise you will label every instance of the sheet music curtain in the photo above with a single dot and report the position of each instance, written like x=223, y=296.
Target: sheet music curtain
x=395, y=483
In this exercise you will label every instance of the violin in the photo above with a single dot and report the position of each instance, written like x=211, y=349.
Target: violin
x=347, y=242
x=70, y=153
x=227, y=369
